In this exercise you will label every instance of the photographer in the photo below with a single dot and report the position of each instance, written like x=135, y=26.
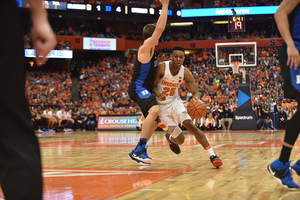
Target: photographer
x=263, y=116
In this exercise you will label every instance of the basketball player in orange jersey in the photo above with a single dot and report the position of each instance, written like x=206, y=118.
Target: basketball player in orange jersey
x=169, y=76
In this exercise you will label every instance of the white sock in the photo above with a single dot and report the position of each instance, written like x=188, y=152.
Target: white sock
x=210, y=151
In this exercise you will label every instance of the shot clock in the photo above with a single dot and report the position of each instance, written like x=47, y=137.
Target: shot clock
x=236, y=23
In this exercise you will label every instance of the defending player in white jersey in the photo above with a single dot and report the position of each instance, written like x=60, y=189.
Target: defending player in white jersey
x=169, y=76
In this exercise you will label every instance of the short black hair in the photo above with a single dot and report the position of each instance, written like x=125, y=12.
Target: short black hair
x=178, y=48
x=148, y=30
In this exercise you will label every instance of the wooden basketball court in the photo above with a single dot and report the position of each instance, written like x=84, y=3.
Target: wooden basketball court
x=95, y=165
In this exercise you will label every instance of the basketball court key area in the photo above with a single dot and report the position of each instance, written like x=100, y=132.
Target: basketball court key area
x=95, y=165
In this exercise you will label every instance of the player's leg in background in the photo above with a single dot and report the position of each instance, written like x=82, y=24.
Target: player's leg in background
x=20, y=163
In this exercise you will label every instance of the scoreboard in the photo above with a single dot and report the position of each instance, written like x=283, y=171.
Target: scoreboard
x=54, y=5
x=101, y=8
x=236, y=23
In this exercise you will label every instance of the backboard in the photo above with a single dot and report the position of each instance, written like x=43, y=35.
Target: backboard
x=243, y=52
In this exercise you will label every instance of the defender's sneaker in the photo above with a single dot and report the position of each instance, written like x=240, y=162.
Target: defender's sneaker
x=296, y=167
x=216, y=161
x=174, y=147
x=282, y=173
x=139, y=154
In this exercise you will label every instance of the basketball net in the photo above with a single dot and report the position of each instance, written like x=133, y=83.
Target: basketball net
x=235, y=67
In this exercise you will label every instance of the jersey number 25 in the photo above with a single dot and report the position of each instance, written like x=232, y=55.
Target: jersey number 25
x=169, y=91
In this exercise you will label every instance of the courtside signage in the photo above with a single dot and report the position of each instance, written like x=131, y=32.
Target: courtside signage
x=211, y=12
x=90, y=43
x=30, y=53
x=117, y=122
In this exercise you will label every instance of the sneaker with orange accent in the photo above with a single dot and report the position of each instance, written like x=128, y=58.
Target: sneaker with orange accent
x=216, y=161
x=174, y=147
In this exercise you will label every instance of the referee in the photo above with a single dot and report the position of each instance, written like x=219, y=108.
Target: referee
x=20, y=162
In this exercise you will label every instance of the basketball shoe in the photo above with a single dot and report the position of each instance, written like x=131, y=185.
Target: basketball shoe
x=296, y=167
x=282, y=173
x=216, y=161
x=174, y=147
x=139, y=154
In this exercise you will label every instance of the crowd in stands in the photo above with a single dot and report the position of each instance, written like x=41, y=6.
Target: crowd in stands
x=179, y=37
x=48, y=88
x=60, y=45
x=103, y=88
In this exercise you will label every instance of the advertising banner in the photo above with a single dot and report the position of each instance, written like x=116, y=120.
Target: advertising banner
x=244, y=118
x=90, y=43
x=117, y=122
x=214, y=12
x=30, y=53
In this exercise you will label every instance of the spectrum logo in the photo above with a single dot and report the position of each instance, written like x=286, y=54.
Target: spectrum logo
x=243, y=117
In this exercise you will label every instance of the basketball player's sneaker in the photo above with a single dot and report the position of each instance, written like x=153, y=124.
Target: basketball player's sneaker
x=296, y=167
x=174, y=147
x=216, y=161
x=139, y=154
x=283, y=174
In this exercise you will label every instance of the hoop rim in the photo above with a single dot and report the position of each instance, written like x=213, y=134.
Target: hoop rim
x=235, y=65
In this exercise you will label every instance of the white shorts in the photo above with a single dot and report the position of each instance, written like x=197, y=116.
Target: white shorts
x=169, y=114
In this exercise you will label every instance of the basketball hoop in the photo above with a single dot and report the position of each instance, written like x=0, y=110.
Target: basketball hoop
x=235, y=67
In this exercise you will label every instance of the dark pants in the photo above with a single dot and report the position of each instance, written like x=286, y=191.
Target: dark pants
x=20, y=163
x=264, y=122
x=90, y=125
x=281, y=124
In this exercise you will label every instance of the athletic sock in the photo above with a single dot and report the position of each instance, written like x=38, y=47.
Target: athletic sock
x=142, y=142
x=285, y=154
x=209, y=150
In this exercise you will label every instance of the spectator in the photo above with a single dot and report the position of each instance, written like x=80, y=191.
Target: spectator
x=217, y=115
x=91, y=120
x=282, y=119
x=226, y=117
x=290, y=113
x=210, y=123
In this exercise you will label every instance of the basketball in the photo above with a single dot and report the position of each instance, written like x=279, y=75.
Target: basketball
x=196, y=109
